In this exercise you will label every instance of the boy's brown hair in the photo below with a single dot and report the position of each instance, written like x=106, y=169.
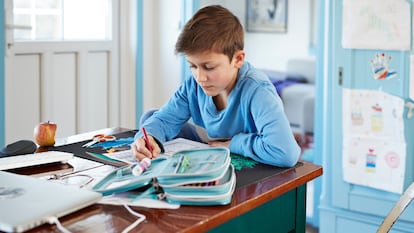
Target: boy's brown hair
x=212, y=28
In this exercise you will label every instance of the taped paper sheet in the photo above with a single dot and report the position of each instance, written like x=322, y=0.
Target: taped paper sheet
x=376, y=24
x=374, y=147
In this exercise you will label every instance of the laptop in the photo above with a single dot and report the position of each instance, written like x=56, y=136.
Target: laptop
x=27, y=202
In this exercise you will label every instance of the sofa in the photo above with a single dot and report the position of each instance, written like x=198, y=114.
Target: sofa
x=296, y=87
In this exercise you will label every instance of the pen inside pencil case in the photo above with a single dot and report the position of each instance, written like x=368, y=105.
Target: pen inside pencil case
x=188, y=164
x=182, y=165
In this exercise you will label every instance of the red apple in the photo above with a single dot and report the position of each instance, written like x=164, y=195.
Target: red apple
x=44, y=133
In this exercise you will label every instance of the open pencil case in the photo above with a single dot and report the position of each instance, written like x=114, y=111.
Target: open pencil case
x=190, y=177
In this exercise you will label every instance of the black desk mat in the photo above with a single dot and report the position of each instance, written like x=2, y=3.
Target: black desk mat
x=260, y=171
x=245, y=176
x=79, y=151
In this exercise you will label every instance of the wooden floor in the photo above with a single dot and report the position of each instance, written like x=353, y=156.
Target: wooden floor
x=311, y=229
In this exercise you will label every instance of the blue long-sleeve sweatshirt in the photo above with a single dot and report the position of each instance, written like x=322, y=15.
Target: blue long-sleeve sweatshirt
x=253, y=119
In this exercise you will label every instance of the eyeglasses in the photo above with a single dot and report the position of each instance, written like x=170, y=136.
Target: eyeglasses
x=79, y=180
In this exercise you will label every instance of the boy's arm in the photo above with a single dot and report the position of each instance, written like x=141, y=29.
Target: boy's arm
x=166, y=123
x=274, y=142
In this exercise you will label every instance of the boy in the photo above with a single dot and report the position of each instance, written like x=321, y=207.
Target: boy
x=233, y=103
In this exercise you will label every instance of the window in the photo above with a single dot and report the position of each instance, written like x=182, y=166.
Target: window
x=63, y=20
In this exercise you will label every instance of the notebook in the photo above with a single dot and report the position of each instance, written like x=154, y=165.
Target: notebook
x=27, y=202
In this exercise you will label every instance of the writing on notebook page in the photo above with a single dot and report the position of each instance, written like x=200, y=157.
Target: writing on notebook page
x=170, y=148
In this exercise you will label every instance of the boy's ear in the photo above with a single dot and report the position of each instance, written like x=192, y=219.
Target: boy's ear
x=239, y=58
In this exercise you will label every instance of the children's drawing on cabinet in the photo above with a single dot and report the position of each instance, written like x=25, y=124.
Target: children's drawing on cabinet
x=374, y=147
x=380, y=67
x=376, y=24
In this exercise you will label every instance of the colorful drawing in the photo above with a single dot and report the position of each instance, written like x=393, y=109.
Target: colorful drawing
x=380, y=67
x=357, y=117
x=392, y=159
x=377, y=121
x=374, y=148
x=371, y=161
x=376, y=24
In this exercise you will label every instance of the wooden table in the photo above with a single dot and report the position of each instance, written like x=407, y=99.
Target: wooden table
x=276, y=203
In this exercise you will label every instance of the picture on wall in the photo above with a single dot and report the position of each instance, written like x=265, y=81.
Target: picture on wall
x=266, y=16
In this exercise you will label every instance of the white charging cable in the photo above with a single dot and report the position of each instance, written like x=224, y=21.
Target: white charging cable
x=140, y=219
x=55, y=220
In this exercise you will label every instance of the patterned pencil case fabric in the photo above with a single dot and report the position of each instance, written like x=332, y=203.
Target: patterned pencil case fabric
x=189, y=177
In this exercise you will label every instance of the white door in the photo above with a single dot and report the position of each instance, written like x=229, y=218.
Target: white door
x=74, y=83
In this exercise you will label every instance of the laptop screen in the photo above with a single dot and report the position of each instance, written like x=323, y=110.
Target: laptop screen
x=27, y=202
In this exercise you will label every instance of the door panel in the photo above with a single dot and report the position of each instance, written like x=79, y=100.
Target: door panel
x=361, y=77
x=353, y=65
x=94, y=104
x=72, y=83
x=61, y=87
x=22, y=96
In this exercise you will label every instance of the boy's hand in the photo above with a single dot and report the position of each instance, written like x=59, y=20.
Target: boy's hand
x=140, y=151
x=220, y=143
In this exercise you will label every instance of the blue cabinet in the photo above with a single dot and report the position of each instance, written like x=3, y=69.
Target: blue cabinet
x=346, y=207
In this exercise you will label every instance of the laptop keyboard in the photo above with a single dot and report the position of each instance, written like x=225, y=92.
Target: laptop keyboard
x=27, y=160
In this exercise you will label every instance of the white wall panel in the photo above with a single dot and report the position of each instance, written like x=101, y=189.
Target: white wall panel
x=93, y=91
x=75, y=84
x=22, y=97
x=62, y=106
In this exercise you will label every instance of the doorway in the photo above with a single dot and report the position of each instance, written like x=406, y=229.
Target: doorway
x=56, y=76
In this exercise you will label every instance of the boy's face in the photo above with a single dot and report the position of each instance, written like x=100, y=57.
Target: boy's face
x=213, y=71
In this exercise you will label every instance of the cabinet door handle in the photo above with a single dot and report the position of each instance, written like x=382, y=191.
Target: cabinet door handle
x=340, y=75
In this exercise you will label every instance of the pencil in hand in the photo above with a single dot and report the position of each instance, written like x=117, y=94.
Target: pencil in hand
x=147, y=143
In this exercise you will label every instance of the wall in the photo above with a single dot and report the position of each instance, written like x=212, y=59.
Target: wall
x=273, y=50
x=162, y=68
x=127, y=62
x=264, y=50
